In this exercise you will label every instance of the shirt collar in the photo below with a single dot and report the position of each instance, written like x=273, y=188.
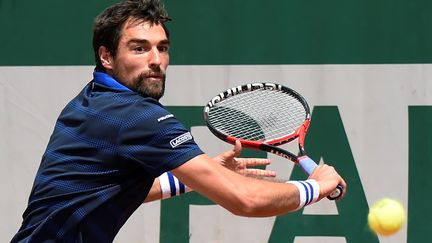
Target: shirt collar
x=107, y=80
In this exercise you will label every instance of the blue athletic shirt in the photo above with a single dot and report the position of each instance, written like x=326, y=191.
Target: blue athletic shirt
x=107, y=147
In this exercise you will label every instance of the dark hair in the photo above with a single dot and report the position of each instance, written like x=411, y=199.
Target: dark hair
x=108, y=25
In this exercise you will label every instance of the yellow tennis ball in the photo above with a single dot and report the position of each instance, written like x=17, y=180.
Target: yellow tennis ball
x=386, y=216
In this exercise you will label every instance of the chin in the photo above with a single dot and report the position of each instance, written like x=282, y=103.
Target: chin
x=153, y=92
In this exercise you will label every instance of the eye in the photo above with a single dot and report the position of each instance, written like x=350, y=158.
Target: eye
x=139, y=49
x=164, y=48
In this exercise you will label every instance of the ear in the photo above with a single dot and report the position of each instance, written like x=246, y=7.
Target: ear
x=105, y=57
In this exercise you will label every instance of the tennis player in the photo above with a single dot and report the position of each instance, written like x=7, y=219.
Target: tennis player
x=114, y=139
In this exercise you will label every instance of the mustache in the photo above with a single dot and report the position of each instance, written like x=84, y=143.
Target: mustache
x=152, y=74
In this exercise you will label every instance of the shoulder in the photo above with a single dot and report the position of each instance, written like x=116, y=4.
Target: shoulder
x=148, y=111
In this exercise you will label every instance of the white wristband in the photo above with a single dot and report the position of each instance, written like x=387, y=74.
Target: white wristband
x=171, y=186
x=309, y=191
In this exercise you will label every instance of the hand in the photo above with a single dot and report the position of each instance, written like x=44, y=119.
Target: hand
x=241, y=165
x=328, y=179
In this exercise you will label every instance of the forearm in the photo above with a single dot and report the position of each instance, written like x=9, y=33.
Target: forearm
x=264, y=194
x=240, y=195
x=245, y=195
x=167, y=185
x=254, y=197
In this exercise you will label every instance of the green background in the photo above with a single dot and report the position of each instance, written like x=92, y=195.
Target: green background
x=232, y=31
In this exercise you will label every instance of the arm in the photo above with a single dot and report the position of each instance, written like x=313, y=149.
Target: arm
x=240, y=195
x=227, y=159
x=155, y=192
x=247, y=196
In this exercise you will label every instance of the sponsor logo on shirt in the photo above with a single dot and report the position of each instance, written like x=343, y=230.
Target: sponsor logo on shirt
x=165, y=117
x=181, y=139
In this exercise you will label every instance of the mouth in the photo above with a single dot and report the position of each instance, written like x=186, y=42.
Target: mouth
x=155, y=77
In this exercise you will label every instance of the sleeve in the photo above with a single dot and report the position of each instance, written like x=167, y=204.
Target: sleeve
x=155, y=139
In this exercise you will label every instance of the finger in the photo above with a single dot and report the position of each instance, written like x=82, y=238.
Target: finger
x=344, y=187
x=237, y=148
x=259, y=173
x=250, y=162
x=230, y=154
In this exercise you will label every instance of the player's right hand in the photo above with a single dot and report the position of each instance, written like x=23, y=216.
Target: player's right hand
x=328, y=179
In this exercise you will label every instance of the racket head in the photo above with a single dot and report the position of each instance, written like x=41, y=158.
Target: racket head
x=258, y=113
x=263, y=116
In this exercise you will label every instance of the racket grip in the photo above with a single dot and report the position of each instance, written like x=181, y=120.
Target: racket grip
x=308, y=166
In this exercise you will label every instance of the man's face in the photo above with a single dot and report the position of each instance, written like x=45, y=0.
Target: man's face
x=142, y=58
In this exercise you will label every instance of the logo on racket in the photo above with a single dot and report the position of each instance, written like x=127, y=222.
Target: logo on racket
x=280, y=154
x=241, y=89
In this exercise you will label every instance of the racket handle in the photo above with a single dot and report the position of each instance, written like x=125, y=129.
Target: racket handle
x=308, y=166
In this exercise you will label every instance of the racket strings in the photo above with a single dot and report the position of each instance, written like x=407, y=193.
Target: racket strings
x=258, y=115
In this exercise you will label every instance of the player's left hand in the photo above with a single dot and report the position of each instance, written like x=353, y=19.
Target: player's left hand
x=242, y=165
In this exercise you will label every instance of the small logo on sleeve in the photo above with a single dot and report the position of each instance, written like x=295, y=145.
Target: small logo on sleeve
x=165, y=117
x=181, y=139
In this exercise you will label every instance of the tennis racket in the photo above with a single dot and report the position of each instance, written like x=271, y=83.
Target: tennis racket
x=263, y=116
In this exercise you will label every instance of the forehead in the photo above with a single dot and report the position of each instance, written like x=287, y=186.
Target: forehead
x=142, y=29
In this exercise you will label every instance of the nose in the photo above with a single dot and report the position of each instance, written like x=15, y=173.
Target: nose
x=154, y=58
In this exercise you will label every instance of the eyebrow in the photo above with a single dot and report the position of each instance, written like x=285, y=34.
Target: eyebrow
x=145, y=41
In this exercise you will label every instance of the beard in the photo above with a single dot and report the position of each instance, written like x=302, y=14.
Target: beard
x=151, y=83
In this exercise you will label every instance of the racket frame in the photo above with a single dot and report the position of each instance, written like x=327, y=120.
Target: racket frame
x=264, y=145
x=271, y=146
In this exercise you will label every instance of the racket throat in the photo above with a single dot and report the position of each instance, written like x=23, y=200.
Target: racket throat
x=279, y=152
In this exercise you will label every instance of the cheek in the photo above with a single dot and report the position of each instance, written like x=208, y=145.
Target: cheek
x=130, y=68
x=165, y=62
x=131, y=62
